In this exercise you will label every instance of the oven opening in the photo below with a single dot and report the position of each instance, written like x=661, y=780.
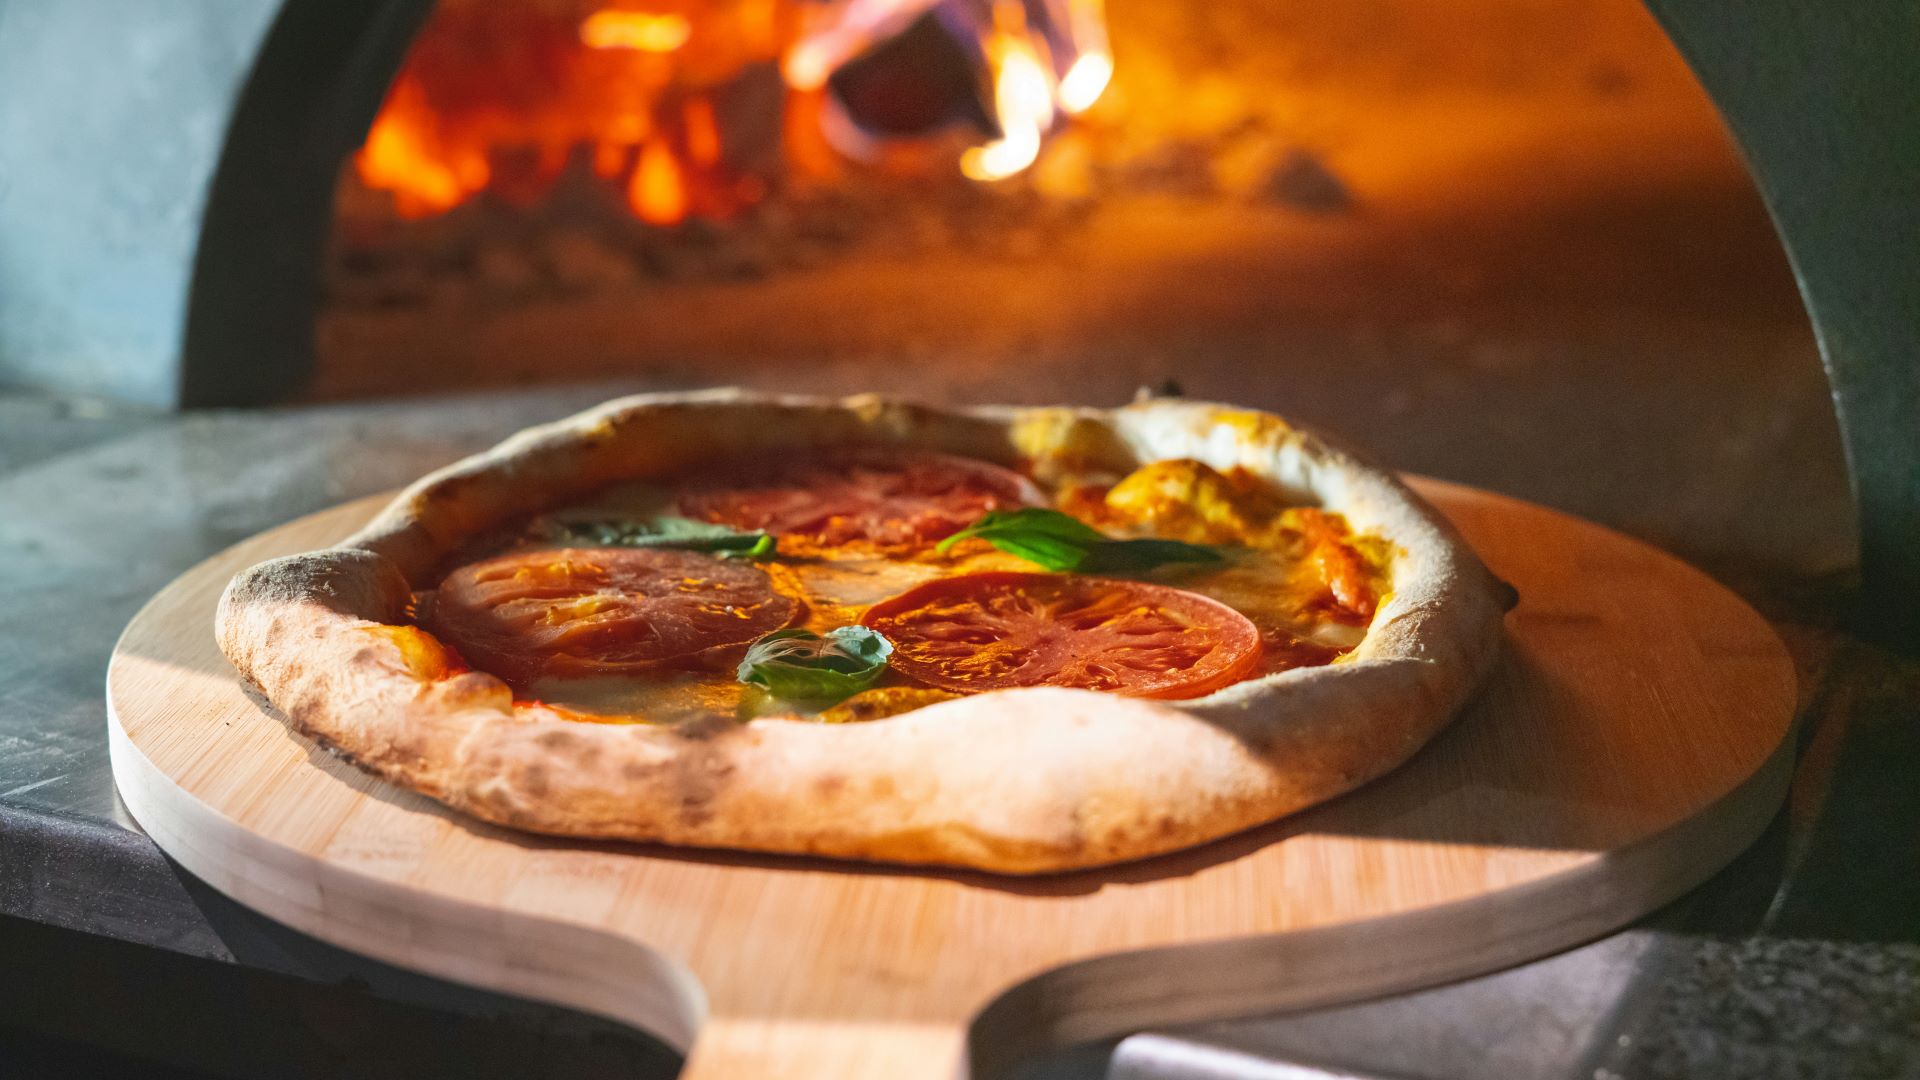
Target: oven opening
x=1023, y=199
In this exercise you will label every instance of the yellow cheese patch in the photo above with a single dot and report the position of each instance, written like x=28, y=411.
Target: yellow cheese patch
x=425, y=657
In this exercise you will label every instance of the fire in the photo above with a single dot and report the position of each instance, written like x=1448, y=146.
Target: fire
x=403, y=156
x=1084, y=82
x=1024, y=91
x=1087, y=78
x=703, y=132
x=1022, y=101
x=503, y=98
x=834, y=33
x=642, y=30
x=657, y=192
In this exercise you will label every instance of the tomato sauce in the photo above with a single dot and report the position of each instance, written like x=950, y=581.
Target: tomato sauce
x=653, y=634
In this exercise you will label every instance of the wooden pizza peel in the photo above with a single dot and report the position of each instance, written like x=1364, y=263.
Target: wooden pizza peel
x=1630, y=742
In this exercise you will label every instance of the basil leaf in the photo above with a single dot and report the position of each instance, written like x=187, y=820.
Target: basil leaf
x=1063, y=542
x=800, y=665
x=665, y=532
x=1032, y=523
x=1126, y=556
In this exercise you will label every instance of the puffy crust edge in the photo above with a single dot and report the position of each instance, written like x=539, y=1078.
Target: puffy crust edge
x=1019, y=781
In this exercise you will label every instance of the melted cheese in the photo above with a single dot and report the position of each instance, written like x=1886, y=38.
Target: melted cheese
x=1186, y=500
x=426, y=659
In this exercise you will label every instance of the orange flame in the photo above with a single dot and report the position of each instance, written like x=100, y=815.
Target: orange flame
x=1022, y=100
x=657, y=192
x=703, y=132
x=1092, y=70
x=1084, y=82
x=642, y=30
x=403, y=155
x=501, y=97
x=837, y=32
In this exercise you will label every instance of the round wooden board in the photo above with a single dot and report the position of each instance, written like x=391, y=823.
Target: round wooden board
x=1631, y=741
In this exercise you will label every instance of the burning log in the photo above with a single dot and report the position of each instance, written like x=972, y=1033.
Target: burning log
x=677, y=111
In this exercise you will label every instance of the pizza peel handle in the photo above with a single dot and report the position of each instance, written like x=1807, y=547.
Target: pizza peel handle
x=1630, y=742
x=733, y=1049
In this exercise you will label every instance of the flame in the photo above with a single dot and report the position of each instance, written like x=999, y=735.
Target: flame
x=1084, y=82
x=402, y=155
x=642, y=30
x=609, y=158
x=502, y=97
x=657, y=192
x=837, y=32
x=1022, y=101
x=703, y=132
x=1090, y=72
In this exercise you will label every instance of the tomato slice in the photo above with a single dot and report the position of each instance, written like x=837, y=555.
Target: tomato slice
x=990, y=631
x=601, y=611
x=883, y=498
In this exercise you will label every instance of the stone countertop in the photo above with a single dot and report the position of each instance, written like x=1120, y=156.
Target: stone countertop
x=1801, y=959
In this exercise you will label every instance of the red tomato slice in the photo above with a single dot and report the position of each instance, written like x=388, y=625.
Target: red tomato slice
x=990, y=631
x=881, y=497
x=601, y=611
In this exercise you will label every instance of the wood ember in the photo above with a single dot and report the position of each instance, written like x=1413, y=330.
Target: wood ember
x=1303, y=180
x=582, y=239
x=1307, y=114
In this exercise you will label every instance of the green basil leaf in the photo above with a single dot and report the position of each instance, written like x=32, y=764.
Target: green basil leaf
x=800, y=665
x=1032, y=523
x=1062, y=542
x=665, y=532
x=1049, y=551
x=1126, y=556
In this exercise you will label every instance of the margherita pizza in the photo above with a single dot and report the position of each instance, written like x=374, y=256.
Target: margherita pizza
x=1021, y=640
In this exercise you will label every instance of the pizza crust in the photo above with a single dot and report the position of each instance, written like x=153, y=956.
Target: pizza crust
x=1012, y=781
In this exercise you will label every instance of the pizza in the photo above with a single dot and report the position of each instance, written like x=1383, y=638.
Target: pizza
x=1020, y=640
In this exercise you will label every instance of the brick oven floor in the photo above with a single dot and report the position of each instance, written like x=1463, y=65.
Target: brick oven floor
x=1798, y=960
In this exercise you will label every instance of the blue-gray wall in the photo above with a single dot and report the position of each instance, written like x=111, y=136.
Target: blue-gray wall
x=113, y=115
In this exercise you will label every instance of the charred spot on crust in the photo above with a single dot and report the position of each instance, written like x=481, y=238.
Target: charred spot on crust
x=558, y=739
x=706, y=729
x=533, y=780
x=698, y=780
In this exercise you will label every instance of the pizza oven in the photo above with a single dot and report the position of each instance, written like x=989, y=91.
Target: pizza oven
x=1005, y=199
x=1352, y=213
x=1626, y=288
